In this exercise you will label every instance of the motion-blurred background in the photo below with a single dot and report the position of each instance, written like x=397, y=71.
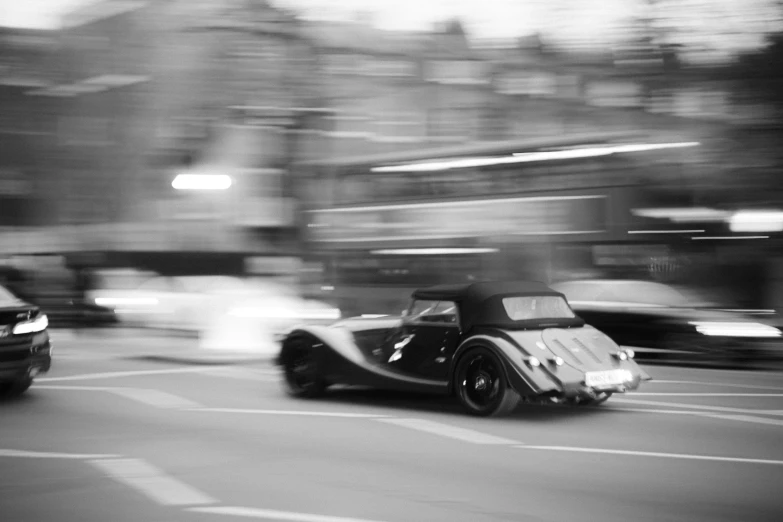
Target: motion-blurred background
x=333, y=155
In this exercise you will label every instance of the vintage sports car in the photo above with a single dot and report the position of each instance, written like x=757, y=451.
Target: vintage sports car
x=25, y=349
x=489, y=343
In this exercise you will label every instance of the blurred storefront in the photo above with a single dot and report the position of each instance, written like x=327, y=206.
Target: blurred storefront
x=456, y=214
x=144, y=91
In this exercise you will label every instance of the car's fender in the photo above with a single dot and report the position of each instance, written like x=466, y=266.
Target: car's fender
x=343, y=362
x=526, y=380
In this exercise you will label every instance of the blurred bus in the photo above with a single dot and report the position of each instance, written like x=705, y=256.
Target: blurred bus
x=376, y=227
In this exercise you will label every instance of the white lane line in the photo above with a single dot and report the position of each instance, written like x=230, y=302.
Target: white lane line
x=115, y=375
x=150, y=397
x=686, y=394
x=697, y=407
x=152, y=482
x=747, y=418
x=290, y=412
x=157, y=398
x=268, y=514
x=718, y=385
x=244, y=374
x=740, y=418
x=48, y=455
x=652, y=454
x=446, y=430
x=56, y=387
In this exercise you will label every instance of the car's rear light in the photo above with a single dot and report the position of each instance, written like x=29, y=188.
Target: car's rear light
x=622, y=355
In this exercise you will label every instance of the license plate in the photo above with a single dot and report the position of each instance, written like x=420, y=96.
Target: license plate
x=607, y=378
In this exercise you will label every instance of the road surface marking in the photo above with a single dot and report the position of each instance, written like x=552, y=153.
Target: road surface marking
x=157, y=398
x=115, y=375
x=717, y=385
x=150, y=397
x=245, y=374
x=73, y=387
x=47, y=455
x=741, y=418
x=446, y=430
x=666, y=394
x=746, y=418
x=652, y=454
x=152, y=482
x=268, y=514
x=698, y=407
x=290, y=412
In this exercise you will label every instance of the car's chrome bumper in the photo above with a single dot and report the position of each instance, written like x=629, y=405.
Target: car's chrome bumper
x=581, y=390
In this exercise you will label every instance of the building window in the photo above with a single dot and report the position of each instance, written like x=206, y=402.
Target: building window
x=463, y=72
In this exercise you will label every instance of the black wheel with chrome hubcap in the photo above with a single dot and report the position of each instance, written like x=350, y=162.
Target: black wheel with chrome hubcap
x=301, y=369
x=481, y=386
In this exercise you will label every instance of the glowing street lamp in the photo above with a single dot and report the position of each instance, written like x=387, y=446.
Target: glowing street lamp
x=201, y=182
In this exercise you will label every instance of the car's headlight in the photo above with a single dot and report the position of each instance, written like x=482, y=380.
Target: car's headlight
x=39, y=324
x=736, y=329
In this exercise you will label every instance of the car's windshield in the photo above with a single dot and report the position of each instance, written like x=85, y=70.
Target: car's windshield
x=537, y=307
x=631, y=292
x=6, y=296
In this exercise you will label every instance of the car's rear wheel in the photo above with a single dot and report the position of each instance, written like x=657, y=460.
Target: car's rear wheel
x=481, y=385
x=301, y=369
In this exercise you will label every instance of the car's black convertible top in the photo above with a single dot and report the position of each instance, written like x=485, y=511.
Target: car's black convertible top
x=481, y=303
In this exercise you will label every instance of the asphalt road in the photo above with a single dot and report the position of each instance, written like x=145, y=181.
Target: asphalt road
x=107, y=438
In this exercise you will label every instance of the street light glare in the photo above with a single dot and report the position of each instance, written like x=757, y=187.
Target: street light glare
x=201, y=182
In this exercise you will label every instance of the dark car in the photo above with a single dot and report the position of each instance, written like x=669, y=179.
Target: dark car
x=661, y=323
x=487, y=343
x=57, y=295
x=25, y=348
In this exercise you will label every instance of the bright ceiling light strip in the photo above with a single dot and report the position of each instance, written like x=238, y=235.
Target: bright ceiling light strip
x=468, y=203
x=756, y=221
x=528, y=157
x=682, y=215
x=695, y=231
x=432, y=251
x=375, y=238
x=730, y=237
x=201, y=182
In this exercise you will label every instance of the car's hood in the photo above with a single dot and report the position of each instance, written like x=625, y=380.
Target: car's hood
x=10, y=311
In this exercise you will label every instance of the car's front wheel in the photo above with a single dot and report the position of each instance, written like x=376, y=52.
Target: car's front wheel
x=481, y=386
x=301, y=369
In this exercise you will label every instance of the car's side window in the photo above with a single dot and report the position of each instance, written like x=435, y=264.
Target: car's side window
x=439, y=312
